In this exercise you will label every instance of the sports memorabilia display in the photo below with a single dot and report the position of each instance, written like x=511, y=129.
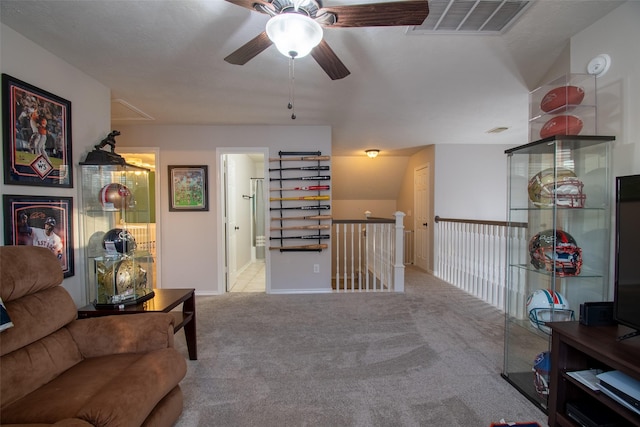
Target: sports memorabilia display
x=559, y=228
x=115, y=196
x=546, y=305
x=559, y=186
x=561, y=99
x=564, y=106
x=120, y=240
x=564, y=124
x=541, y=373
x=122, y=281
x=117, y=233
x=555, y=251
x=316, y=201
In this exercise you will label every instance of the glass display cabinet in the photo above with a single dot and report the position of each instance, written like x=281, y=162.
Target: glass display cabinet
x=557, y=248
x=115, y=214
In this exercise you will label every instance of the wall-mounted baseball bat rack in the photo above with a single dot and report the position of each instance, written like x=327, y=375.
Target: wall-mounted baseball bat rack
x=310, y=196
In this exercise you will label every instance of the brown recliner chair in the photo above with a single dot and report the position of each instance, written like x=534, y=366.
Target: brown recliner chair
x=55, y=369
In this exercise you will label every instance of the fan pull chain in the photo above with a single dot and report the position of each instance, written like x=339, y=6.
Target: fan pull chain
x=292, y=88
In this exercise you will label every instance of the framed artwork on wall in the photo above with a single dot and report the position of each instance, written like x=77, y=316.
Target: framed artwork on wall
x=41, y=221
x=36, y=128
x=188, y=188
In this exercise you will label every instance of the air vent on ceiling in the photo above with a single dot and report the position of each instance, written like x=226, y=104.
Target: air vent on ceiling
x=122, y=110
x=471, y=16
x=498, y=129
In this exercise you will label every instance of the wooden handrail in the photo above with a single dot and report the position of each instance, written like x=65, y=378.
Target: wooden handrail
x=365, y=221
x=483, y=222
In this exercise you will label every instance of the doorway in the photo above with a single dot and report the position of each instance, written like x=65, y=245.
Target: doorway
x=242, y=201
x=149, y=240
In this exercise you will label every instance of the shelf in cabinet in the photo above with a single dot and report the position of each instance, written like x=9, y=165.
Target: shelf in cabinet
x=584, y=272
x=558, y=208
x=569, y=142
x=597, y=395
x=569, y=110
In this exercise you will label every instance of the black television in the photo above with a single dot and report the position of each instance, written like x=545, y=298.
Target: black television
x=626, y=302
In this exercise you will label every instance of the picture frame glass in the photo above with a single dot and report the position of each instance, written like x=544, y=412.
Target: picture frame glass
x=41, y=221
x=188, y=188
x=37, y=136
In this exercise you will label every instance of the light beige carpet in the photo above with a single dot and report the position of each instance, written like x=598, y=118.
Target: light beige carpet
x=431, y=356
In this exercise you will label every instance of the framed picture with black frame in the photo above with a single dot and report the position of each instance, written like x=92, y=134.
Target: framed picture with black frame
x=36, y=128
x=188, y=189
x=41, y=221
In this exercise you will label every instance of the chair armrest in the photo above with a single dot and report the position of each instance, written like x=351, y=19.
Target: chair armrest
x=126, y=333
x=67, y=422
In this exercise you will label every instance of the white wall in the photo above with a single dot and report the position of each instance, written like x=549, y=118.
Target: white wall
x=192, y=241
x=90, y=123
x=355, y=209
x=618, y=91
x=470, y=181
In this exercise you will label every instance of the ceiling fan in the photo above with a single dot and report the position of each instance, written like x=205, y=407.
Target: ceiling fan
x=312, y=16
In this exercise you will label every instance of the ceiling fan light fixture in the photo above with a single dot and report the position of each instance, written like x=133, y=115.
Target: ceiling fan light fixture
x=372, y=153
x=294, y=34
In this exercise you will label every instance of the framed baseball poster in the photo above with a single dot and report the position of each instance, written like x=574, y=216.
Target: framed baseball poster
x=41, y=221
x=188, y=188
x=36, y=129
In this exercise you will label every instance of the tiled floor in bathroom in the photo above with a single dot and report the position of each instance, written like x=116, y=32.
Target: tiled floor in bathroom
x=252, y=279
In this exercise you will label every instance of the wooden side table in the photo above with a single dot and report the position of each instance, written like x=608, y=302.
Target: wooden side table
x=164, y=301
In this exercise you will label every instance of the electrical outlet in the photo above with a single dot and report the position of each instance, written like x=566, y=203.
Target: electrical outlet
x=316, y=268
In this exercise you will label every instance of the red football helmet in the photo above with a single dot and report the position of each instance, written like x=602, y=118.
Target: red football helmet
x=557, y=252
x=116, y=196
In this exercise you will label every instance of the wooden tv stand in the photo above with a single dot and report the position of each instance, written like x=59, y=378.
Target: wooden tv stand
x=576, y=347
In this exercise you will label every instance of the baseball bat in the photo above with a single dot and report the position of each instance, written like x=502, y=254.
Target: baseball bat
x=308, y=188
x=307, y=208
x=273, y=199
x=302, y=168
x=308, y=236
x=278, y=159
x=320, y=246
x=302, y=217
x=304, y=227
x=303, y=178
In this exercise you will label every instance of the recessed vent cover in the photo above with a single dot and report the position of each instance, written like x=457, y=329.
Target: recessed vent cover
x=471, y=16
x=122, y=110
x=498, y=129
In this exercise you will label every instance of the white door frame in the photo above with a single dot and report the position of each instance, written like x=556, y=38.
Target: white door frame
x=220, y=202
x=156, y=152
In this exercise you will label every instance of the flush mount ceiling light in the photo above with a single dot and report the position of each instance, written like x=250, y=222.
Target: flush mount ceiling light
x=294, y=34
x=372, y=153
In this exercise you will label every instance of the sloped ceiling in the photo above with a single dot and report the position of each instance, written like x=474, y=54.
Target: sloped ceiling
x=165, y=59
x=408, y=88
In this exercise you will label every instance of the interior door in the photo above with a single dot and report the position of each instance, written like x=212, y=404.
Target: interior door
x=421, y=209
x=232, y=223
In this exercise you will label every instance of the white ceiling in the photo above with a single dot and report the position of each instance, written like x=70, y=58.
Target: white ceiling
x=407, y=89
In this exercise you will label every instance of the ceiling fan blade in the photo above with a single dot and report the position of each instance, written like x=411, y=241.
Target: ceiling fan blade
x=412, y=12
x=329, y=61
x=245, y=53
x=250, y=4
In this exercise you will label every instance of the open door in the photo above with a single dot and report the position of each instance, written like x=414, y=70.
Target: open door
x=241, y=204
